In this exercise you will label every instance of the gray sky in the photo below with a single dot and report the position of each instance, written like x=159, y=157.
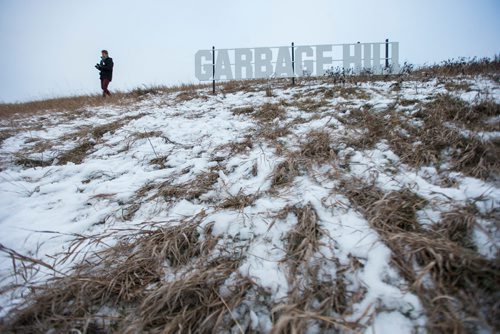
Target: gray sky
x=49, y=47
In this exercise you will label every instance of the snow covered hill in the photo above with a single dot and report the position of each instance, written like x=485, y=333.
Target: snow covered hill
x=370, y=206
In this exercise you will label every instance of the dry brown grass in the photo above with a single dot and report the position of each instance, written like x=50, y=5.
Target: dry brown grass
x=456, y=67
x=468, y=154
x=22, y=160
x=457, y=86
x=190, y=190
x=5, y=134
x=85, y=138
x=238, y=201
x=243, y=110
x=269, y=112
x=160, y=161
x=353, y=92
x=77, y=154
x=285, y=172
x=439, y=138
x=447, y=107
x=192, y=304
x=464, y=290
x=299, y=315
x=317, y=147
x=312, y=300
x=129, y=278
x=82, y=102
x=408, y=102
x=189, y=95
x=62, y=104
x=310, y=105
x=237, y=147
x=372, y=124
x=303, y=241
x=147, y=134
x=458, y=226
x=233, y=86
x=251, y=85
x=273, y=132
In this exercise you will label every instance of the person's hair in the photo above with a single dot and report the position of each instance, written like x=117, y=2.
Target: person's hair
x=105, y=51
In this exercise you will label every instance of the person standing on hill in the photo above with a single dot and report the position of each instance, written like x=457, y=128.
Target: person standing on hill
x=105, y=68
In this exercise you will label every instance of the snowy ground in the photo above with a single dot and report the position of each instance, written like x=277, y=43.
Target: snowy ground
x=163, y=141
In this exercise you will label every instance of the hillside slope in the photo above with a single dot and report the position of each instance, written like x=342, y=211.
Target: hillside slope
x=370, y=206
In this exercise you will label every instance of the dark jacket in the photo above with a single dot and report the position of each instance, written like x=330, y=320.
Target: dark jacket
x=105, y=68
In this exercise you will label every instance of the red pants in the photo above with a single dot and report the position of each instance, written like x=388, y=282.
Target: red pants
x=104, y=87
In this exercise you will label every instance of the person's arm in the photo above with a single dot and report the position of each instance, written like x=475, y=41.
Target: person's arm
x=108, y=65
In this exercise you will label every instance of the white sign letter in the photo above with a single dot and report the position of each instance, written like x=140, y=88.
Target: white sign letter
x=284, y=62
x=203, y=71
x=395, y=57
x=223, y=65
x=304, y=67
x=263, y=58
x=243, y=60
x=367, y=56
x=348, y=59
x=321, y=59
x=377, y=69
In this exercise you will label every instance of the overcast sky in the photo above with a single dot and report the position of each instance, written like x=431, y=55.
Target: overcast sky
x=49, y=47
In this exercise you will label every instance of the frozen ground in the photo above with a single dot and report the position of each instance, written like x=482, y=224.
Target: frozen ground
x=169, y=157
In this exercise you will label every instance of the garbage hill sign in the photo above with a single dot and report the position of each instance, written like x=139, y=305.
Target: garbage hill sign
x=296, y=61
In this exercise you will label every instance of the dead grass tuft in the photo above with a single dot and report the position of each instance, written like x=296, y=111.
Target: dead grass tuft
x=395, y=211
x=74, y=104
x=237, y=147
x=242, y=110
x=273, y=132
x=454, y=86
x=408, y=102
x=462, y=66
x=238, y=201
x=99, y=131
x=187, y=95
x=309, y=104
x=313, y=301
x=315, y=149
x=63, y=104
x=129, y=278
x=443, y=119
x=250, y=85
x=269, y=112
x=303, y=240
x=233, y=86
x=147, y=134
x=477, y=158
x=464, y=284
x=5, y=134
x=442, y=131
x=318, y=147
x=160, y=160
x=77, y=154
x=373, y=126
x=85, y=139
x=190, y=190
x=285, y=172
x=457, y=226
x=29, y=162
x=353, y=93
x=192, y=304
